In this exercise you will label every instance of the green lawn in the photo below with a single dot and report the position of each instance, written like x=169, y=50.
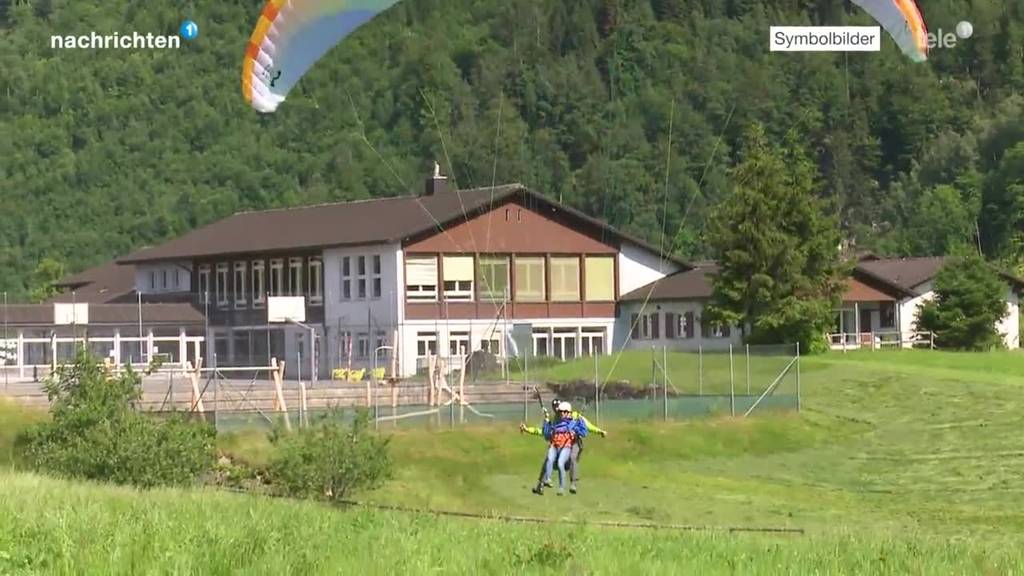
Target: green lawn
x=901, y=462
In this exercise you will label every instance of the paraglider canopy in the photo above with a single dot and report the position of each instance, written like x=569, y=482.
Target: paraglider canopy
x=290, y=36
x=902, y=20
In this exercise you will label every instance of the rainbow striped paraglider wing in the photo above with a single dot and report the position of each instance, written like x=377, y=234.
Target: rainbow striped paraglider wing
x=290, y=36
x=902, y=20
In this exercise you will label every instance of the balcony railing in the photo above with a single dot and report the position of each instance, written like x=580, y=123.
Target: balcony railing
x=879, y=340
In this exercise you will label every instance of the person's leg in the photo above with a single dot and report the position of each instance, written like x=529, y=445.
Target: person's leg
x=543, y=469
x=574, y=464
x=549, y=464
x=563, y=458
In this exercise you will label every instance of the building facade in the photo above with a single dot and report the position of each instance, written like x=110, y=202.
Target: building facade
x=389, y=282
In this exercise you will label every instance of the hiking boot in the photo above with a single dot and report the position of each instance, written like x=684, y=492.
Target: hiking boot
x=538, y=489
x=548, y=484
x=572, y=488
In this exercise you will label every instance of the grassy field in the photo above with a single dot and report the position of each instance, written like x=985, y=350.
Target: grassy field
x=901, y=462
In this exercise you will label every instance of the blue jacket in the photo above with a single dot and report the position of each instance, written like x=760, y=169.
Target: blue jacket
x=575, y=425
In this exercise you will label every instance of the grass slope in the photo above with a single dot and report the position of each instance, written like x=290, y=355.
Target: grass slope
x=53, y=527
x=900, y=462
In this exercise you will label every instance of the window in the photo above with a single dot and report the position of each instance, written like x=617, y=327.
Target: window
x=493, y=278
x=592, y=341
x=564, y=343
x=541, y=342
x=492, y=345
x=634, y=326
x=277, y=277
x=678, y=326
x=376, y=288
x=295, y=276
x=426, y=344
x=529, y=279
x=152, y=279
x=565, y=279
x=177, y=277
x=222, y=284
x=458, y=277
x=380, y=341
x=713, y=330
x=204, y=283
x=421, y=278
x=362, y=345
x=316, y=268
x=361, y=279
x=240, y=299
x=649, y=326
x=458, y=343
x=258, y=288
x=600, y=276
x=887, y=315
x=346, y=278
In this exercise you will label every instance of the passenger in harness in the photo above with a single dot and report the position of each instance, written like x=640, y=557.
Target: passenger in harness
x=577, y=448
x=561, y=435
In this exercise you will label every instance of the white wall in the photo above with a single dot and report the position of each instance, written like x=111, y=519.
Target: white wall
x=351, y=315
x=1009, y=326
x=909, y=306
x=639, y=267
x=182, y=282
x=622, y=327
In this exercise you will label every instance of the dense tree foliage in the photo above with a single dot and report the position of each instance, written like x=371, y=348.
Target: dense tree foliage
x=631, y=110
x=780, y=275
x=970, y=299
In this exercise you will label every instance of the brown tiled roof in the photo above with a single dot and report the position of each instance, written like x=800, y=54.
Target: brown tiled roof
x=858, y=291
x=904, y=273
x=363, y=222
x=98, y=285
x=108, y=314
x=693, y=284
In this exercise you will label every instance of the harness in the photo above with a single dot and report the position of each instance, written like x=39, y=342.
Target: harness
x=562, y=436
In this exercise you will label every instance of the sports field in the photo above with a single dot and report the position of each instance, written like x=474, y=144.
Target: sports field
x=901, y=462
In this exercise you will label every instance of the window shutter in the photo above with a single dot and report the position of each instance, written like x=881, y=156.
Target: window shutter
x=458, y=268
x=634, y=330
x=689, y=324
x=670, y=325
x=421, y=271
x=654, y=326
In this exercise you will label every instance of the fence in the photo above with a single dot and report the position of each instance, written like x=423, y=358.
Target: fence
x=878, y=340
x=641, y=385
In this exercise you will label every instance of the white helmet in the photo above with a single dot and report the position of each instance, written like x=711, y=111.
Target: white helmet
x=565, y=407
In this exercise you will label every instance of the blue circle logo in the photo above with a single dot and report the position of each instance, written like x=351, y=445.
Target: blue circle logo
x=189, y=30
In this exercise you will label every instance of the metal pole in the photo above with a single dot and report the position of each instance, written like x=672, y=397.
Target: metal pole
x=664, y=379
x=7, y=344
x=700, y=369
x=798, y=377
x=597, y=391
x=748, y=368
x=732, y=385
x=312, y=356
x=142, y=355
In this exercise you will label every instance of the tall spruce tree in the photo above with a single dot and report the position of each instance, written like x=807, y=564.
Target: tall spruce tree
x=780, y=272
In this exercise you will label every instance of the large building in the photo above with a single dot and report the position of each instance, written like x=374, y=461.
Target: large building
x=447, y=272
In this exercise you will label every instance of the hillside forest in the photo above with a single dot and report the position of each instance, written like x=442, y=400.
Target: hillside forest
x=633, y=111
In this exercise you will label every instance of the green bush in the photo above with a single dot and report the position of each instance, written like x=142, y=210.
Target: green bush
x=330, y=461
x=96, y=433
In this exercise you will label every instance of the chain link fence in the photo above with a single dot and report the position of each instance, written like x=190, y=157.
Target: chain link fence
x=658, y=384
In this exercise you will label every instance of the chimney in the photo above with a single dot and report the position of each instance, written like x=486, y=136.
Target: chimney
x=436, y=184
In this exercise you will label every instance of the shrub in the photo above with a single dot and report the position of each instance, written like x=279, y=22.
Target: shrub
x=96, y=433
x=969, y=302
x=330, y=461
